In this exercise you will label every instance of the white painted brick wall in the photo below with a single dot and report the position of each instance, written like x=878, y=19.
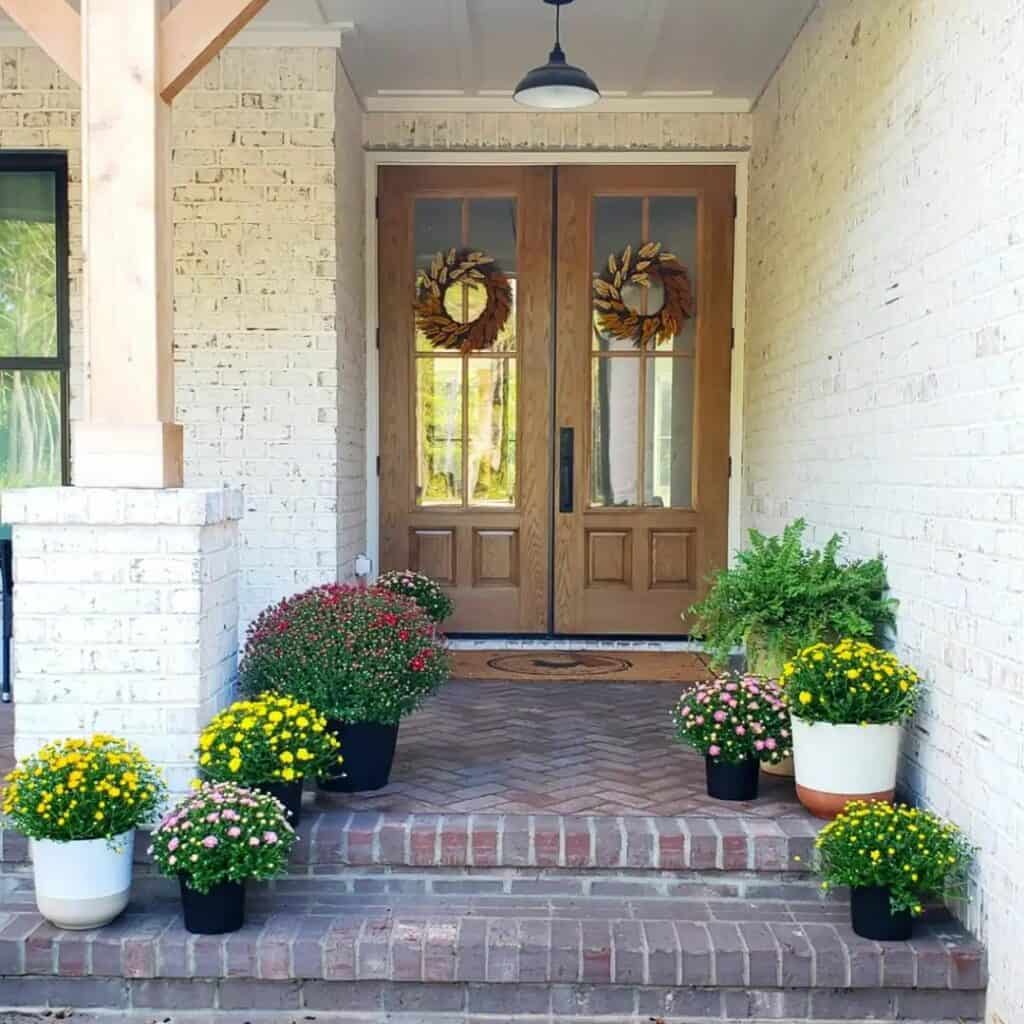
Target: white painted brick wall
x=350, y=210
x=522, y=130
x=263, y=372
x=127, y=615
x=885, y=376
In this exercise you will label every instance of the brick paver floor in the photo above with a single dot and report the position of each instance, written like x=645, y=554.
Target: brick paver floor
x=555, y=748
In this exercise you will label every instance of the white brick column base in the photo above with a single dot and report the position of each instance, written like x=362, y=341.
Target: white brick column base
x=125, y=615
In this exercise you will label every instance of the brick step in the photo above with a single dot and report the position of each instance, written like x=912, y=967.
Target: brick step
x=337, y=838
x=474, y=956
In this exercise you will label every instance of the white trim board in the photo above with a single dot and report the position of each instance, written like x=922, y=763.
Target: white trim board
x=376, y=159
x=478, y=104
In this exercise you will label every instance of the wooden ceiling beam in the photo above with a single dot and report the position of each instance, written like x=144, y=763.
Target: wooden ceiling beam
x=54, y=26
x=193, y=33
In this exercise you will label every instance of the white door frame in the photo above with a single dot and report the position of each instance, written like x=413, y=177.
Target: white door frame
x=376, y=159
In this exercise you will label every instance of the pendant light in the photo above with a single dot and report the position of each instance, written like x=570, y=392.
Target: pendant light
x=557, y=85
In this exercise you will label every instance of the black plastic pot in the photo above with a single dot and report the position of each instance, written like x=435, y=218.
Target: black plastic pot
x=367, y=751
x=732, y=781
x=216, y=912
x=289, y=793
x=872, y=916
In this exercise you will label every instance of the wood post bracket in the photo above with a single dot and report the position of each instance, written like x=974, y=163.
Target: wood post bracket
x=191, y=34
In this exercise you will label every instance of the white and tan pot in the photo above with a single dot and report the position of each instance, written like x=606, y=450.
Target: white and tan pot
x=838, y=763
x=84, y=883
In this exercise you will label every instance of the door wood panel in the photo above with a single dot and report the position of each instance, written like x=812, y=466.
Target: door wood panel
x=495, y=561
x=635, y=569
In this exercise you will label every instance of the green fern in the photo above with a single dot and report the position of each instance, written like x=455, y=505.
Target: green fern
x=781, y=597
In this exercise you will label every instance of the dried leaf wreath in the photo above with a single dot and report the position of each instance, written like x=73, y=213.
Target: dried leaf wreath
x=442, y=329
x=617, y=319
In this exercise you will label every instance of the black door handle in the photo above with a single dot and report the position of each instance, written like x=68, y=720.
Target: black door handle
x=566, y=468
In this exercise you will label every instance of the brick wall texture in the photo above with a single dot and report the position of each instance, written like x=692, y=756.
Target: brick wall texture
x=269, y=348
x=525, y=131
x=127, y=615
x=884, y=376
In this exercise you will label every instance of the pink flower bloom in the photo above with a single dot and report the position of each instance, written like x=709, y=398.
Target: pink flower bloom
x=740, y=731
x=213, y=818
x=731, y=687
x=686, y=710
x=770, y=743
x=173, y=844
x=714, y=750
x=210, y=842
x=699, y=720
x=253, y=841
x=234, y=831
x=270, y=837
x=720, y=716
x=759, y=744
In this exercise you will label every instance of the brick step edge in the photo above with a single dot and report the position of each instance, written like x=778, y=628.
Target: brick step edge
x=470, y=1003
x=148, y=887
x=353, y=839
x=385, y=943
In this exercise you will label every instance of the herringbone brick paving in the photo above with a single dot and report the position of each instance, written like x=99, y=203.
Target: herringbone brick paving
x=555, y=748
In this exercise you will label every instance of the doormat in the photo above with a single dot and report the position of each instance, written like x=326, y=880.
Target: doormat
x=581, y=666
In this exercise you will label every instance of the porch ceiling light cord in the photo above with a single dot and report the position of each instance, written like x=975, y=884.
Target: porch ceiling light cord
x=557, y=85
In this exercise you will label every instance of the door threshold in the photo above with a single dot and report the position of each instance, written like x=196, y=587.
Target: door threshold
x=506, y=642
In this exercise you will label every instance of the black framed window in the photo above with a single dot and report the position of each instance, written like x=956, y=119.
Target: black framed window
x=34, y=326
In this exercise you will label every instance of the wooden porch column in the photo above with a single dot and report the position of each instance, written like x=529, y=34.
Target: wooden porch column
x=128, y=438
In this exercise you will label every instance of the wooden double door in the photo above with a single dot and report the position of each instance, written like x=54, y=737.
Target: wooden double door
x=554, y=390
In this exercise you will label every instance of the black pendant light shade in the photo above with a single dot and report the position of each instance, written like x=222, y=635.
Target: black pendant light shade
x=557, y=85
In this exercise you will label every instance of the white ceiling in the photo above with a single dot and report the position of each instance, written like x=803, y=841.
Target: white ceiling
x=712, y=54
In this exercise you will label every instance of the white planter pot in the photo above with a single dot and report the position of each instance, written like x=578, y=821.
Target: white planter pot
x=838, y=763
x=85, y=883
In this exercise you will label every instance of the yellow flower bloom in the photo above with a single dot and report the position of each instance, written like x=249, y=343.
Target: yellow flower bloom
x=806, y=697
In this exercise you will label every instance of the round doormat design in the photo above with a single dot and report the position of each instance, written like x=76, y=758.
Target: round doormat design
x=552, y=664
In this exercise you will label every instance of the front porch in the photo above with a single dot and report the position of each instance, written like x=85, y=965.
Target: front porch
x=544, y=849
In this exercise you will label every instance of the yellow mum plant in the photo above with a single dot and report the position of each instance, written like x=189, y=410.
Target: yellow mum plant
x=273, y=738
x=851, y=683
x=95, y=788
x=914, y=854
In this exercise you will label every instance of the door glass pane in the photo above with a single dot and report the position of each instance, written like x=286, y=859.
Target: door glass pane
x=28, y=264
x=473, y=460
x=492, y=431
x=439, y=431
x=30, y=428
x=673, y=222
x=615, y=404
x=617, y=222
x=668, y=433
x=446, y=231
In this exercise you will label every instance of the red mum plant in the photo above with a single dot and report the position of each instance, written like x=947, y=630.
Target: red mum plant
x=357, y=654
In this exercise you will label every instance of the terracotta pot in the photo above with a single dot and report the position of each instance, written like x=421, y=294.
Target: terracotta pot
x=785, y=768
x=85, y=883
x=839, y=763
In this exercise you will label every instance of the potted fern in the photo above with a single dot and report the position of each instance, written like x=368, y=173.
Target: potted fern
x=780, y=597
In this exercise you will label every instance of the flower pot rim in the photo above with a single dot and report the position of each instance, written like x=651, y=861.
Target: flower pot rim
x=848, y=725
x=119, y=837
x=186, y=879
